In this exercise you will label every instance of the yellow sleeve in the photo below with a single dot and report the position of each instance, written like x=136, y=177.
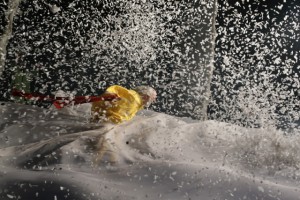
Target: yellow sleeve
x=122, y=110
x=119, y=90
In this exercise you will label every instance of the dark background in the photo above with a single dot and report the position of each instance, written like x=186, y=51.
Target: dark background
x=256, y=71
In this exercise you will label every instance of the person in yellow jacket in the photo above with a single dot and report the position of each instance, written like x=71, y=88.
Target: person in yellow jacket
x=125, y=105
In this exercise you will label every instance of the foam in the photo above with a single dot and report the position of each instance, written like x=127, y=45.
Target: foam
x=153, y=156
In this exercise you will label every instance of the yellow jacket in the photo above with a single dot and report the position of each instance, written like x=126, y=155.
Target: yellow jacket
x=122, y=109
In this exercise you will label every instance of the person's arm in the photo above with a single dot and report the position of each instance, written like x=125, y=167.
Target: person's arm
x=106, y=96
x=60, y=102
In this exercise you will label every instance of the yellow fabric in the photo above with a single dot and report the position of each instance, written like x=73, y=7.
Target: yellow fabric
x=119, y=110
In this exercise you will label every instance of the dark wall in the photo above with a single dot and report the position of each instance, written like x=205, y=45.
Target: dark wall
x=3, y=22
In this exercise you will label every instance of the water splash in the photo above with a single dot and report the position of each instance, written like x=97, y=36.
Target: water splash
x=86, y=47
x=256, y=80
